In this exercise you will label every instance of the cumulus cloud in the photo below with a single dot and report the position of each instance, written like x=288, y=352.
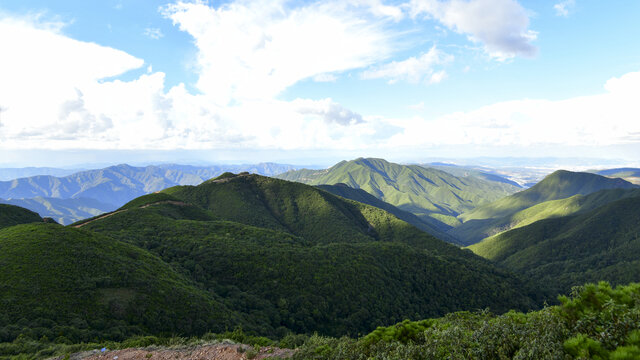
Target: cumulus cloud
x=255, y=50
x=413, y=69
x=500, y=25
x=564, y=7
x=598, y=120
x=330, y=111
x=42, y=71
x=56, y=92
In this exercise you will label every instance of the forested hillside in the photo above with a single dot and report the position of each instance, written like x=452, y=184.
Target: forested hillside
x=435, y=196
x=303, y=259
x=602, y=244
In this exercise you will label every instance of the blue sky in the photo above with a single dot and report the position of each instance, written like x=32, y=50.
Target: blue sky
x=314, y=82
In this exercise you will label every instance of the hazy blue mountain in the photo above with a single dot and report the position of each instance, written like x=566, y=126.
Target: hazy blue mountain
x=64, y=211
x=105, y=189
x=632, y=175
x=478, y=172
x=16, y=173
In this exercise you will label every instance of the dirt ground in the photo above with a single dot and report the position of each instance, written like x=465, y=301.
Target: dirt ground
x=201, y=352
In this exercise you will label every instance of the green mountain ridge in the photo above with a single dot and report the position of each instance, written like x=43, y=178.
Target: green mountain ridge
x=300, y=259
x=435, y=196
x=559, y=194
x=601, y=244
x=84, y=193
x=60, y=281
x=11, y=215
x=364, y=197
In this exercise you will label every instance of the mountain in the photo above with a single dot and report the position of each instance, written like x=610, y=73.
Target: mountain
x=632, y=175
x=63, y=211
x=601, y=244
x=297, y=258
x=364, y=197
x=545, y=199
x=11, y=215
x=74, y=285
x=16, y=173
x=435, y=196
x=465, y=171
x=109, y=188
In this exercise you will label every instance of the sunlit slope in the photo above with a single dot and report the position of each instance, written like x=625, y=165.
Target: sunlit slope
x=602, y=244
x=300, y=259
x=434, y=195
x=559, y=194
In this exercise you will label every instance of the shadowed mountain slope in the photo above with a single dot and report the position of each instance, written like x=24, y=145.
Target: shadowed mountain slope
x=559, y=194
x=11, y=215
x=364, y=197
x=602, y=244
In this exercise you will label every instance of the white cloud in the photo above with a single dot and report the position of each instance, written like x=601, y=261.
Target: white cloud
x=501, y=25
x=378, y=8
x=610, y=118
x=564, y=7
x=330, y=111
x=255, y=50
x=54, y=94
x=325, y=78
x=413, y=69
x=43, y=72
x=153, y=33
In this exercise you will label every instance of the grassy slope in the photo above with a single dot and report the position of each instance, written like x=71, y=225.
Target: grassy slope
x=320, y=263
x=602, y=244
x=11, y=215
x=558, y=185
x=552, y=197
x=485, y=229
x=433, y=194
x=55, y=277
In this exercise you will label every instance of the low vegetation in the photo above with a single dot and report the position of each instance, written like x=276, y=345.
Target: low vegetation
x=595, y=321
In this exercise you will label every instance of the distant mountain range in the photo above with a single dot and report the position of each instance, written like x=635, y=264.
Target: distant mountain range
x=87, y=193
x=16, y=173
x=632, y=175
